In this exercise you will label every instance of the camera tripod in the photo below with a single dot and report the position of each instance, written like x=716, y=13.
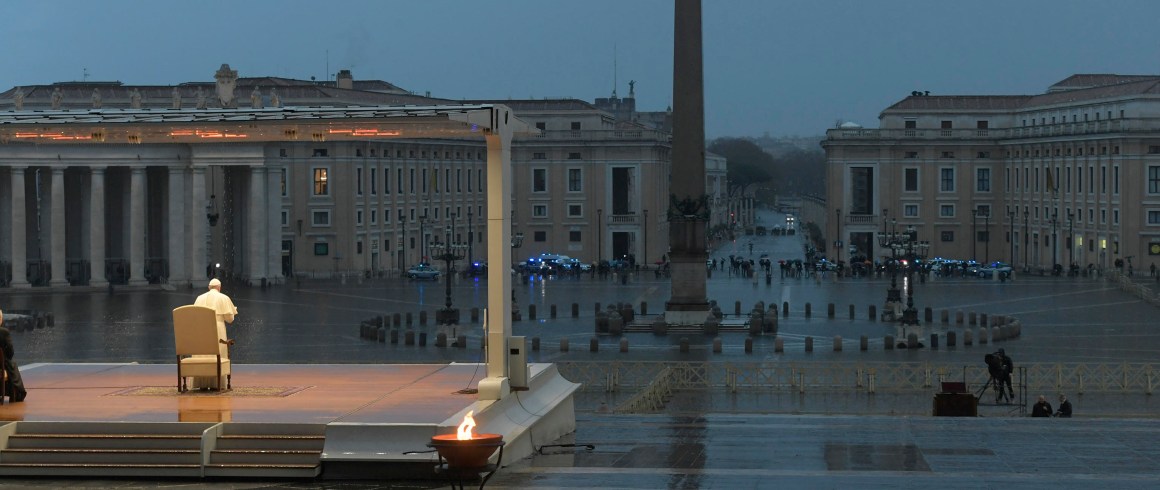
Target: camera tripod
x=1002, y=396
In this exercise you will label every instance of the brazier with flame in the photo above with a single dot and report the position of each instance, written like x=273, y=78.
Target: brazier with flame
x=465, y=448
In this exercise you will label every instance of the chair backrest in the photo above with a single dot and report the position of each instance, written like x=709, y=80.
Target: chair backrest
x=195, y=330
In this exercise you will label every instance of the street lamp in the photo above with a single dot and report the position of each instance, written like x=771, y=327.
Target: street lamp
x=838, y=233
x=517, y=242
x=909, y=247
x=1054, y=259
x=470, y=239
x=1026, y=234
x=1071, y=239
x=987, y=237
x=1011, y=237
x=644, y=253
x=974, y=234
x=448, y=252
x=423, y=237
x=599, y=237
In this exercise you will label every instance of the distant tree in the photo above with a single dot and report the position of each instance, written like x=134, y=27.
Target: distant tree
x=801, y=172
x=748, y=164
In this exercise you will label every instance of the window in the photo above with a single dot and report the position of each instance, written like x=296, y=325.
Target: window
x=358, y=217
x=910, y=179
x=946, y=210
x=983, y=210
x=1153, y=217
x=910, y=124
x=386, y=181
x=322, y=248
x=574, y=236
x=540, y=211
x=983, y=154
x=947, y=236
x=947, y=154
x=374, y=216
x=1116, y=179
x=575, y=125
x=574, y=156
x=981, y=124
x=946, y=179
x=912, y=154
x=541, y=126
x=358, y=247
x=1115, y=216
x=982, y=180
x=320, y=182
x=540, y=236
x=539, y=156
x=282, y=152
x=285, y=218
x=1153, y=180
x=358, y=180
x=946, y=125
x=459, y=180
x=575, y=179
x=575, y=210
x=910, y=210
x=446, y=180
x=539, y=180
x=284, y=179
x=319, y=152
x=320, y=218
x=399, y=180
x=374, y=181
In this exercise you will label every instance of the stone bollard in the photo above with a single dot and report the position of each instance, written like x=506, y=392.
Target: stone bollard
x=394, y=336
x=972, y=318
x=959, y=317
x=684, y=345
x=381, y=334
x=928, y=314
x=474, y=314
x=983, y=319
x=643, y=308
x=912, y=341
x=712, y=326
x=601, y=322
x=623, y=345
x=409, y=337
x=535, y=344
x=737, y=308
x=934, y=341
x=944, y=316
x=809, y=309
x=996, y=334
x=410, y=319
x=532, y=312
x=864, y=343
x=779, y=345
x=575, y=310
x=423, y=318
x=830, y=310
x=552, y=311
x=982, y=335
x=851, y=311
x=888, y=342
x=968, y=337
x=873, y=313
x=461, y=341
x=769, y=324
x=749, y=345
x=615, y=325
x=659, y=327
x=441, y=340
x=397, y=320
x=716, y=345
x=755, y=324
x=422, y=339
x=837, y=343
x=563, y=345
x=594, y=345
x=809, y=344
x=785, y=308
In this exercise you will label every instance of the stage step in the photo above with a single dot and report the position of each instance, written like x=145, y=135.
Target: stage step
x=102, y=456
x=267, y=450
x=101, y=470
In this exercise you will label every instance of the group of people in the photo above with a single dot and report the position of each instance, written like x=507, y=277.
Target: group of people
x=1043, y=409
x=13, y=384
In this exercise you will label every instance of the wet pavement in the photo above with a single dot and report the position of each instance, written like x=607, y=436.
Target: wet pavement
x=704, y=440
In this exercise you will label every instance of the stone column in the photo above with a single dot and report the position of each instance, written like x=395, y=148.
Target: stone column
x=689, y=211
x=136, y=227
x=19, y=231
x=97, y=227
x=256, y=227
x=274, y=223
x=57, y=241
x=177, y=224
x=198, y=224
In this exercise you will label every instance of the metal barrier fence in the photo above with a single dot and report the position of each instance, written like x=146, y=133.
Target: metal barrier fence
x=658, y=378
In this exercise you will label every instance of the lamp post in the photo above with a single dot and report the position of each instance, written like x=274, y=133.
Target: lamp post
x=987, y=237
x=644, y=253
x=974, y=234
x=517, y=242
x=1026, y=233
x=1070, y=239
x=1011, y=237
x=470, y=239
x=838, y=233
x=423, y=237
x=599, y=237
x=403, y=243
x=448, y=252
x=1054, y=259
x=909, y=247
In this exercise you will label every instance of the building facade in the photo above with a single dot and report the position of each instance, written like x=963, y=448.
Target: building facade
x=1068, y=176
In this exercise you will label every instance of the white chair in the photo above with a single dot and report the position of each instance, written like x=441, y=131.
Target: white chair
x=195, y=336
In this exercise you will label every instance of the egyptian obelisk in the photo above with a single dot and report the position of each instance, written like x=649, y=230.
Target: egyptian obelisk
x=688, y=203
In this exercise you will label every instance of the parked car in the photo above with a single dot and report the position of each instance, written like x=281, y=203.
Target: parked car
x=1003, y=269
x=476, y=269
x=423, y=271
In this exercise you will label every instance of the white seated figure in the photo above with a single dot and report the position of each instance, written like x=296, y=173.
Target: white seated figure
x=225, y=310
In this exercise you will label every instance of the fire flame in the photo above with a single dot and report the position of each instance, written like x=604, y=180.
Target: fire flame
x=464, y=431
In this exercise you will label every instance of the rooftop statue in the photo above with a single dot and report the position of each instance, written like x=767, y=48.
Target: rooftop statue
x=227, y=80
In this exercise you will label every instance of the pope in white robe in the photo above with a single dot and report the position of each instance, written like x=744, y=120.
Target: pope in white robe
x=225, y=311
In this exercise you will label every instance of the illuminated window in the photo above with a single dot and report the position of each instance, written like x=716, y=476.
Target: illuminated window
x=320, y=182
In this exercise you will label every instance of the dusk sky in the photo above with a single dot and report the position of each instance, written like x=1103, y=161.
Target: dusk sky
x=771, y=66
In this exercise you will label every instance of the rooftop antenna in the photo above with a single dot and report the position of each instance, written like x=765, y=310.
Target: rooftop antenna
x=613, y=70
x=84, y=74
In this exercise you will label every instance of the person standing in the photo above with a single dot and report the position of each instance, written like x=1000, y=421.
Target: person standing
x=15, y=385
x=225, y=311
x=1007, y=368
x=1041, y=408
x=1064, y=410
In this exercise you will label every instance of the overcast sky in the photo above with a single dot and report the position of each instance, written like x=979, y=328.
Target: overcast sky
x=782, y=67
